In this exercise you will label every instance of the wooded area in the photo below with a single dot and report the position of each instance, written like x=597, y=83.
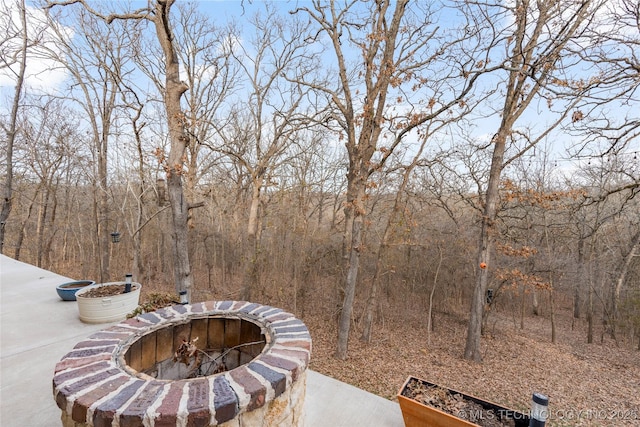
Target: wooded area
x=345, y=156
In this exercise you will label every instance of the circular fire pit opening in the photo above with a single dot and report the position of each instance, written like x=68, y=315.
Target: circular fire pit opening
x=198, y=348
x=228, y=363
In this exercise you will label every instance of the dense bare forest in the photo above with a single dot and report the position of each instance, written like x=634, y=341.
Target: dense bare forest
x=358, y=161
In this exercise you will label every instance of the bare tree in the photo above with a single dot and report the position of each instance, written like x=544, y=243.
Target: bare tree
x=159, y=14
x=18, y=32
x=270, y=120
x=395, y=217
x=623, y=273
x=610, y=124
x=212, y=78
x=91, y=61
x=536, y=42
x=204, y=54
x=395, y=44
x=43, y=157
x=610, y=200
x=138, y=186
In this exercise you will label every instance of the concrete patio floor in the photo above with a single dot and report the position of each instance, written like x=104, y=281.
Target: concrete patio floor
x=38, y=329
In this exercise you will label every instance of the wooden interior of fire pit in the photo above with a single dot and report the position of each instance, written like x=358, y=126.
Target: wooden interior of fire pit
x=222, y=344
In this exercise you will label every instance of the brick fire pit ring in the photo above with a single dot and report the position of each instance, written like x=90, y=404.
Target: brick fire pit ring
x=127, y=375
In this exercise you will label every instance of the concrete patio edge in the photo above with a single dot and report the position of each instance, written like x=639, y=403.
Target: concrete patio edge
x=38, y=329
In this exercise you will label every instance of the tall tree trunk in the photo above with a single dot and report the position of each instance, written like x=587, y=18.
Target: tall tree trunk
x=51, y=227
x=138, y=269
x=347, y=242
x=397, y=207
x=372, y=302
x=577, y=287
x=523, y=305
x=553, y=315
x=380, y=66
x=353, y=265
x=621, y=279
x=590, y=314
x=105, y=227
x=528, y=72
x=43, y=207
x=23, y=226
x=485, y=247
x=7, y=188
x=174, y=89
x=433, y=290
x=250, y=279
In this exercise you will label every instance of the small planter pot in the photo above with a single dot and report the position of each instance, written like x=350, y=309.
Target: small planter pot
x=67, y=291
x=468, y=411
x=106, y=302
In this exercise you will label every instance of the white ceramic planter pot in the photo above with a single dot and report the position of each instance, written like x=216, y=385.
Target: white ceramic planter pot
x=107, y=308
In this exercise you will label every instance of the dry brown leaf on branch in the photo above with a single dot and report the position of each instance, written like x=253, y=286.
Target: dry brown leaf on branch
x=186, y=351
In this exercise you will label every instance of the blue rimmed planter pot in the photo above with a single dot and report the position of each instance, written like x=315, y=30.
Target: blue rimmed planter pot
x=416, y=394
x=107, y=302
x=67, y=291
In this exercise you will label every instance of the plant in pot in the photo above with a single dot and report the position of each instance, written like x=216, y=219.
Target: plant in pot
x=108, y=302
x=427, y=404
x=67, y=291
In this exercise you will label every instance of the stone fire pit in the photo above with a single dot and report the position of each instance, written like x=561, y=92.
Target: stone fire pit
x=229, y=363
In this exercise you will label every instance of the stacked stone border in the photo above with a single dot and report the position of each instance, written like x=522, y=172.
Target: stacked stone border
x=94, y=386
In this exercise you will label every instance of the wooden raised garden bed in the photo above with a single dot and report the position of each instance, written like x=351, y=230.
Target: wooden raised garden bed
x=427, y=404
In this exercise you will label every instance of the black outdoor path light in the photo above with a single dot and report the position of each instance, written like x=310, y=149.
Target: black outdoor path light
x=539, y=410
x=115, y=237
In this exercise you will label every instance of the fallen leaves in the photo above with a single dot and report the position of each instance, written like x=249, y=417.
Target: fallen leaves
x=588, y=384
x=454, y=404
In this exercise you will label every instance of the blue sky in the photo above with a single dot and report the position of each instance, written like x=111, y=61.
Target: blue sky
x=221, y=11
